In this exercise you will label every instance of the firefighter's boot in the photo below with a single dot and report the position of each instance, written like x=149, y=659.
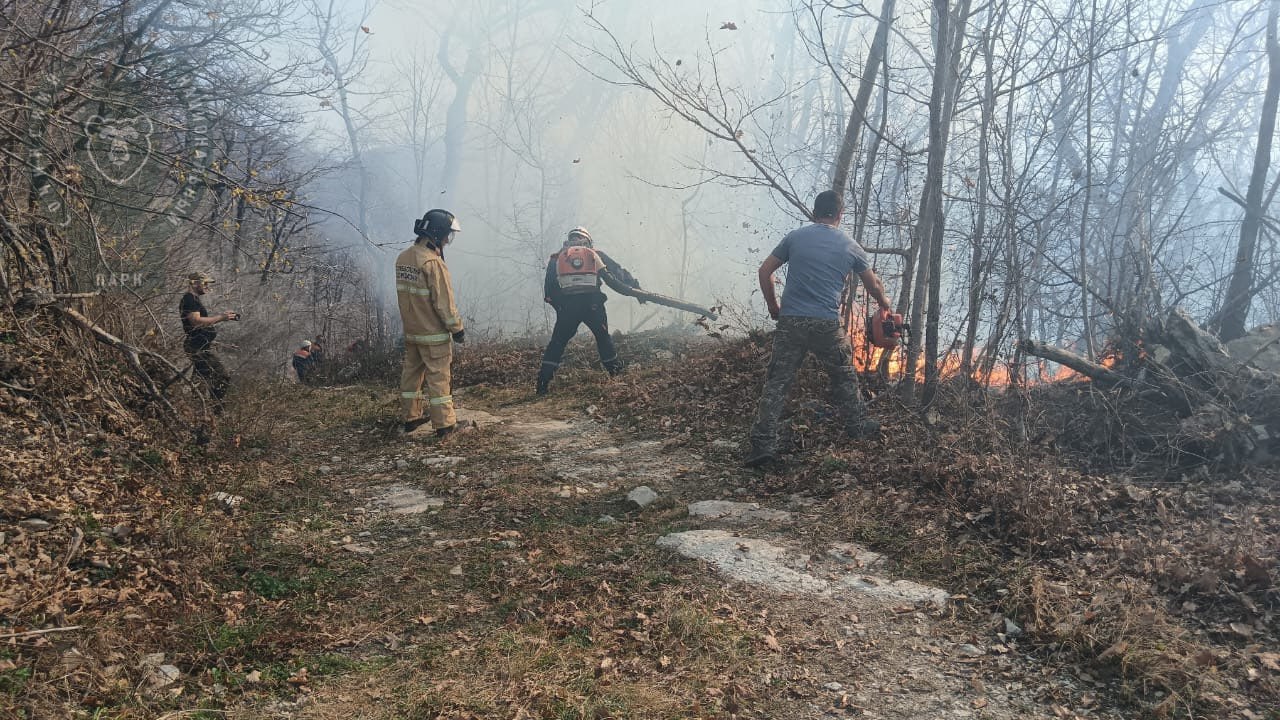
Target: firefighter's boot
x=544, y=378
x=460, y=426
x=411, y=425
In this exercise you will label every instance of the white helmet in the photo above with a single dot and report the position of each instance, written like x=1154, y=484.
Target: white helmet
x=579, y=236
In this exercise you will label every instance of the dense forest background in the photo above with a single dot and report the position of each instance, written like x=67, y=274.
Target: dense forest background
x=1051, y=171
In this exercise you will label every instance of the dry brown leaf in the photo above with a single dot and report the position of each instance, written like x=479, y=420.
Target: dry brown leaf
x=1242, y=629
x=606, y=664
x=1269, y=660
x=1115, y=650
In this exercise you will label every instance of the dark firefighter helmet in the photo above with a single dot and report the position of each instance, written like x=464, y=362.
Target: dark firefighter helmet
x=436, y=224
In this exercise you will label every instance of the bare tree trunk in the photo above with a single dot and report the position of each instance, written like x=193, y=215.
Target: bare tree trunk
x=455, y=130
x=930, y=197
x=1240, y=290
x=977, y=259
x=950, y=40
x=1088, y=190
x=858, y=116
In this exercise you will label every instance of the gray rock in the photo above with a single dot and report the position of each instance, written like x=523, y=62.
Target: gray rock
x=1261, y=346
x=642, y=496
x=120, y=532
x=34, y=524
x=790, y=570
x=971, y=651
x=168, y=673
x=752, y=561
x=227, y=500
x=402, y=464
x=856, y=556
x=442, y=461
x=358, y=549
x=606, y=520
x=736, y=512
x=324, y=469
x=1011, y=628
x=404, y=500
x=833, y=687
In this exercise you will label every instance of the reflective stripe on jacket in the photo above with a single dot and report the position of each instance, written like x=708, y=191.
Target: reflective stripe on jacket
x=425, y=295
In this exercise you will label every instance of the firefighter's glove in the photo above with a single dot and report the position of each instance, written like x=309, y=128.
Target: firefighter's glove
x=460, y=336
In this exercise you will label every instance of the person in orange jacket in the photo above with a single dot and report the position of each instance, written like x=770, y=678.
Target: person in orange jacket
x=572, y=286
x=431, y=325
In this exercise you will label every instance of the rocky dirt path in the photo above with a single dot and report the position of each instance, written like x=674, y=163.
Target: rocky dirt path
x=466, y=557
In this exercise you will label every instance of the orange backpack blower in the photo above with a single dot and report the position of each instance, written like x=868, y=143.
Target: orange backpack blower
x=885, y=329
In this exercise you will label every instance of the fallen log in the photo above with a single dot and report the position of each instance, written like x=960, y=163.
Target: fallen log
x=1066, y=358
x=1227, y=411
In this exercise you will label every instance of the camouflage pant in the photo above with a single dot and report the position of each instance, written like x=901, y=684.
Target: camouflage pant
x=795, y=338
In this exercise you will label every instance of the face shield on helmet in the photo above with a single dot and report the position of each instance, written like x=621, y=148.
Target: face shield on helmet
x=437, y=225
x=578, y=237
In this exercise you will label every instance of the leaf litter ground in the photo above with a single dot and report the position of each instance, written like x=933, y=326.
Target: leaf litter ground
x=528, y=588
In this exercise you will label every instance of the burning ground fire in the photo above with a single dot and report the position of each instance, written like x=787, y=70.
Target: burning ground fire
x=867, y=358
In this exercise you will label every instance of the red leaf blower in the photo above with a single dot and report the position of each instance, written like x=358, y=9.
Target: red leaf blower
x=885, y=329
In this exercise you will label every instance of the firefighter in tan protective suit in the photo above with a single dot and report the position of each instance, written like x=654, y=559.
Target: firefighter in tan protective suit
x=431, y=325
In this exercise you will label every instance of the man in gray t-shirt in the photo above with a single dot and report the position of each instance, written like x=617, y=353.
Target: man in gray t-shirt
x=819, y=258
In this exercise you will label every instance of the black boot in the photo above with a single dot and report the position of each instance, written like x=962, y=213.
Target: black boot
x=412, y=425
x=460, y=426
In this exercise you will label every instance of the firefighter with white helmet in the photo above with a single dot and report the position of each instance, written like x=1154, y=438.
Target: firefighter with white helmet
x=431, y=325
x=572, y=287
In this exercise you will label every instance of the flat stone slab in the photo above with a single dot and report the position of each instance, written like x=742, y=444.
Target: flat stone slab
x=856, y=556
x=757, y=562
x=544, y=430
x=404, y=500
x=445, y=461
x=479, y=417
x=736, y=512
x=787, y=570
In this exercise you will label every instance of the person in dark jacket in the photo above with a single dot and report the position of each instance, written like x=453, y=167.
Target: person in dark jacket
x=572, y=286
x=198, y=324
x=303, y=360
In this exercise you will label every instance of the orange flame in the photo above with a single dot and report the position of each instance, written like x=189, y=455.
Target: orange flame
x=867, y=358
